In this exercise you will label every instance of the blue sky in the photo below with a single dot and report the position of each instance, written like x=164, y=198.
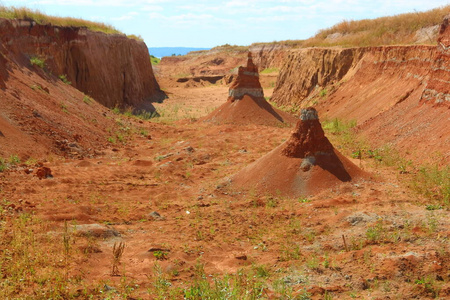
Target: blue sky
x=208, y=23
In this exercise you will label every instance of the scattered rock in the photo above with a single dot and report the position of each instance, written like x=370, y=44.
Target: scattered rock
x=361, y=218
x=36, y=114
x=156, y=216
x=161, y=157
x=189, y=149
x=158, y=248
x=241, y=256
x=95, y=230
x=108, y=288
x=44, y=173
x=1, y=134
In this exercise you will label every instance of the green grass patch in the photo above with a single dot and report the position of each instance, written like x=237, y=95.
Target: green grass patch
x=432, y=182
x=154, y=60
x=37, y=61
x=64, y=79
x=87, y=99
x=270, y=70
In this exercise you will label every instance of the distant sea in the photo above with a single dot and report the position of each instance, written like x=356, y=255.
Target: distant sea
x=169, y=51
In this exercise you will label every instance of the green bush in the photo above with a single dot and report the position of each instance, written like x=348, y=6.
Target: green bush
x=64, y=79
x=36, y=61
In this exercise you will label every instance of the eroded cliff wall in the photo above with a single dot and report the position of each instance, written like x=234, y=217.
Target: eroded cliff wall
x=113, y=69
x=399, y=95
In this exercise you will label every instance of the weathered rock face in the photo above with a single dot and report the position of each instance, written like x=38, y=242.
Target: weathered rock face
x=113, y=69
x=306, y=69
x=246, y=82
x=308, y=137
x=438, y=87
x=397, y=94
x=219, y=62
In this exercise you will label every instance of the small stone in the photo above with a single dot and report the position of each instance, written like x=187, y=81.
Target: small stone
x=44, y=173
x=189, y=149
x=241, y=256
x=109, y=288
x=95, y=230
x=158, y=248
x=156, y=216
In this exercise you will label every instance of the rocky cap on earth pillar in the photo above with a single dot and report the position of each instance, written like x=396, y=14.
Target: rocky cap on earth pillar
x=246, y=82
x=308, y=137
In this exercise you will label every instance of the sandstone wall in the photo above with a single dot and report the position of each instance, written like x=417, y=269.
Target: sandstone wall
x=305, y=69
x=398, y=95
x=113, y=69
x=438, y=88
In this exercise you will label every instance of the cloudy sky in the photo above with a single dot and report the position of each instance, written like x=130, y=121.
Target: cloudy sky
x=208, y=23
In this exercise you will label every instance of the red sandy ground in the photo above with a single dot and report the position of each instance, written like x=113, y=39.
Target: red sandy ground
x=180, y=172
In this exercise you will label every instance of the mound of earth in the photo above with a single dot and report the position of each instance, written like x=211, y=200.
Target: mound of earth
x=246, y=103
x=305, y=164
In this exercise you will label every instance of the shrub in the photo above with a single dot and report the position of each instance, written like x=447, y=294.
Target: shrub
x=36, y=61
x=64, y=79
x=3, y=165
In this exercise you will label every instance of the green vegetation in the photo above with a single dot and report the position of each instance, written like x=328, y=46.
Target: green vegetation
x=8, y=163
x=37, y=87
x=64, y=107
x=37, y=61
x=431, y=181
x=160, y=255
x=3, y=165
x=270, y=70
x=43, y=19
x=434, y=183
x=64, y=79
x=154, y=60
x=87, y=99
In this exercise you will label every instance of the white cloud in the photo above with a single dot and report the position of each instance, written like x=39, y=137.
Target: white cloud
x=126, y=17
x=152, y=8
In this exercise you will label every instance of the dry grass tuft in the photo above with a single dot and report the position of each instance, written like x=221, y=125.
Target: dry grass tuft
x=43, y=19
x=394, y=30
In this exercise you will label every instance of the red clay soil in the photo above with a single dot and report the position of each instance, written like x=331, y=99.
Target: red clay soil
x=112, y=198
x=304, y=165
x=41, y=115
x=394, y=103
x=249, y=110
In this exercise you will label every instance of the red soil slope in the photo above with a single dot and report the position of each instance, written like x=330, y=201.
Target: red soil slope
x=304, y=165
x=41, y=115
x=399, y=95
x=113, y=69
